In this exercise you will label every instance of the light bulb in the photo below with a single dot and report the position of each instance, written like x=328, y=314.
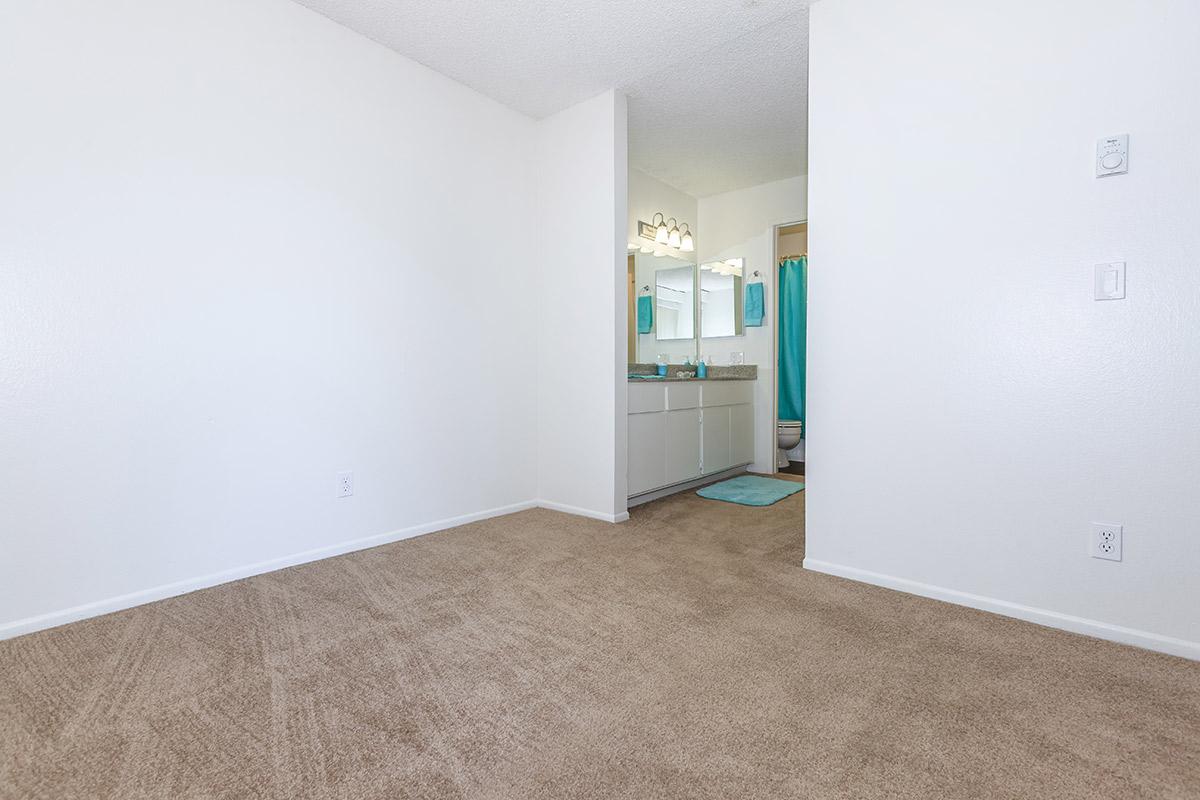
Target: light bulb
x=663, y=233
x=686, y=243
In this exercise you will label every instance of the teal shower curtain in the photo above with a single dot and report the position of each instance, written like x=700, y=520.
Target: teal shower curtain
x=793, y=337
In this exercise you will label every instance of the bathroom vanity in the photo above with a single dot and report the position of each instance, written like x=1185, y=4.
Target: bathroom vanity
x=685, y=429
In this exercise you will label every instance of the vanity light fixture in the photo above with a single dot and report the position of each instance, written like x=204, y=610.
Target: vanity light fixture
x=662, y=229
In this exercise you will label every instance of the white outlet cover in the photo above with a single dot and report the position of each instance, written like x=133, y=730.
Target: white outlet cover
x=345, y=484
x=1105, y=541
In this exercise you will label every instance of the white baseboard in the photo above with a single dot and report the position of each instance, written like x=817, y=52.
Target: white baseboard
x=1040, y=616
x=582, y=512
x=694, y=483
x=121, y=602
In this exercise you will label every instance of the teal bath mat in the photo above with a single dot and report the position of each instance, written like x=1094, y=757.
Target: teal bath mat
x=751, y=490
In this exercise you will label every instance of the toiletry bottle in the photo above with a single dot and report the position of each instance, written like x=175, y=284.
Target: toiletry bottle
x=662, y=365
x=701, y=368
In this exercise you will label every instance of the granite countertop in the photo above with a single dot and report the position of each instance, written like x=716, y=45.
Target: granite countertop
x=739, y=372
x=652, y=379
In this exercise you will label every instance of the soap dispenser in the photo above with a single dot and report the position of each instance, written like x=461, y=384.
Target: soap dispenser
x=701, y=367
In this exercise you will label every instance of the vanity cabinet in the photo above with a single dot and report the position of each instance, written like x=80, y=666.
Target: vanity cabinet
x=680, y=431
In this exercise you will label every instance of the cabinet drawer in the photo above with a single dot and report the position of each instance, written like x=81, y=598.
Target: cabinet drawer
x=644, y=399
x=732, y=393
x=682, y=395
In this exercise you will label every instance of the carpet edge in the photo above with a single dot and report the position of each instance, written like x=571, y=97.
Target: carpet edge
x=1039, y=616
x=109, y=605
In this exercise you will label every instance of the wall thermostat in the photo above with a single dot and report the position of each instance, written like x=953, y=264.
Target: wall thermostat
x=1112, y=155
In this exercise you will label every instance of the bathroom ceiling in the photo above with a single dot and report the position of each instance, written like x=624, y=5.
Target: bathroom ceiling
x=716, y=86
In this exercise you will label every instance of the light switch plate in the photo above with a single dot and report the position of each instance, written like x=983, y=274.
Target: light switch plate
x=1112, y=155
x=1110, y=281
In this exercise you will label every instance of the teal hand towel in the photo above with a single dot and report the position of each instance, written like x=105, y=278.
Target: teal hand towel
x=645, y=314
x=754, y=305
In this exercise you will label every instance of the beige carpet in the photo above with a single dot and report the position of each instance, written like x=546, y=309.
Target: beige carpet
x=683, y=654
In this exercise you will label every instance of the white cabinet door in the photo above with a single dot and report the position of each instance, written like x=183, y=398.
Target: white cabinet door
x=647, y=452
x=717, y=454
x=683, y=445
x=741, y=433
x=677, y=427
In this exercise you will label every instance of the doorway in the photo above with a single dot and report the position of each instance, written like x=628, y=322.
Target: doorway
x=791, y=341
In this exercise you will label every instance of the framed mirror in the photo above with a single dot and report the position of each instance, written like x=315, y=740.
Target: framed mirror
x=675, y=303
x=721, y=288
x=662, y=308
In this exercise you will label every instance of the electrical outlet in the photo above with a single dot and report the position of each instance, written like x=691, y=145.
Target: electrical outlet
x=1105, y=541
x=345, y=484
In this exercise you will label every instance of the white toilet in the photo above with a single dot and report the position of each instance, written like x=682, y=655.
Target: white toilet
x=787, y=434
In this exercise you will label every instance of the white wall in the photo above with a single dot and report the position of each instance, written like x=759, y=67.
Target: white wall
x=581, y=358
x=241, y=249
x=740, y=224
x=972, y=407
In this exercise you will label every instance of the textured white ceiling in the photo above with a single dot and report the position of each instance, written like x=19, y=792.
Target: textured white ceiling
x=690, y=66
x=732, y=117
